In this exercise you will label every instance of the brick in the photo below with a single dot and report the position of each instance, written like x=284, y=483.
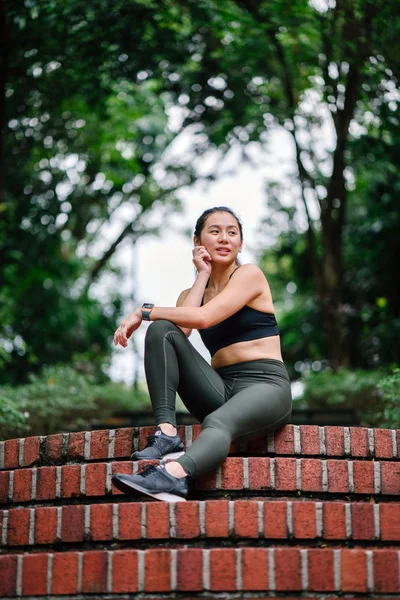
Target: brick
x=157, y=520
x=285, y=474
x=18, y=527
x=254, y=569
x=275, y=519
x=157, y=574
x=94, y=572
x=22, y=485
x=34, y=575
x=129, y=521
x=11, y=454
x=284, y=440
x=217, y=518
x=398, y=442
x=321, y=577
x=76, y=445
x=359, y=441
x=190, y=569
x=99, y=444
x=196, y=430
x=362, y=520
x=309, y=436
x=311, y=475
x=46, y=483
x=390, y=477
x=334, y=440
x=257, y=446
x=96, y=479
x=334, y=521
x=120, y=467
x=259, y=473
x=101, y=522
x=338, y=476
x=45, y=525
x=246, y=518
x=386, y=571
x=222, y=569
x=31, y=451
x=287, y=569
x=232, y=474
x=383, y=443
x=123, y=442
x=71, y=481
x=4, y=486
x=54, y=450
x=207, y=481
x=65, y=573
x=142, y=435
x=187, y=520
x=8, y=579
x=72, y=523
x=390, y=521
x=125, y=571
x=304, y=520
x=354, y=570
x=363, y=473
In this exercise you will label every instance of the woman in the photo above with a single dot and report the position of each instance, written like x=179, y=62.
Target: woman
x=245, y=393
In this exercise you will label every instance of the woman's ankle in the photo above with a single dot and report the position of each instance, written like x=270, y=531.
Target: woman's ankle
x=168, y=428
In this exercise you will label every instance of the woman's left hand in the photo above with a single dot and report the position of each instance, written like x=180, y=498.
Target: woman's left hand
x=127, y=327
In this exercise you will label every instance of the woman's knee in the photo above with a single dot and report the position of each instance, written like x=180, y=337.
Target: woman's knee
x=158, y=329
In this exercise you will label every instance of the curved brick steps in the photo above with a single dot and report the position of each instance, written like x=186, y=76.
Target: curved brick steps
x=294, y=440
x=177, y=570
x=237, y=475
x=229, y=520
x=309, y=510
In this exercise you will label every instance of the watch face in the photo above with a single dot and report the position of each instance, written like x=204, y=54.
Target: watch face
x=146, y=305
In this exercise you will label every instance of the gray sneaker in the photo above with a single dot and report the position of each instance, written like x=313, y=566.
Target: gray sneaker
x=161, y=446
x=155, y=482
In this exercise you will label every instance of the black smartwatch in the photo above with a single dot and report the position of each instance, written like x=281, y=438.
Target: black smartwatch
x=146, y=310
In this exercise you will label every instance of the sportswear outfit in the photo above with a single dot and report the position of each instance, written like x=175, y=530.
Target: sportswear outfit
x=240, y=402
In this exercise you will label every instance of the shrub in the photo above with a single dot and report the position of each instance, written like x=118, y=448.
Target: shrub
x=369, y=393
x=61, y=399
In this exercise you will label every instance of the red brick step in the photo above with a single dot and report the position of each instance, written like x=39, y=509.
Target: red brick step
x=223, y=519
x=294, y=440
x=197, y=569
x=236, y=475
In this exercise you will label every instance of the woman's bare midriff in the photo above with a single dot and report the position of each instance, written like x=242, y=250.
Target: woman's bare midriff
x=269, y=347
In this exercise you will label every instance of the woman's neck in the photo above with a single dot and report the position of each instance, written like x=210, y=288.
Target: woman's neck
x=219, y=276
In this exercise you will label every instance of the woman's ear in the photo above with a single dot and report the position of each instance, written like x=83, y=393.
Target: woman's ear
x=196, y=241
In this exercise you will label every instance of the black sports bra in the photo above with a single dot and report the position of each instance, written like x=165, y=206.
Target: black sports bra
x=244, y=325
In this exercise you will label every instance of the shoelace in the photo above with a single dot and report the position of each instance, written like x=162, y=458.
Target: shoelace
x=147, y=470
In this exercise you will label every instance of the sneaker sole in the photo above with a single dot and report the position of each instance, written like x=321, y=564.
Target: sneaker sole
x=172, y=456
x=131, y=488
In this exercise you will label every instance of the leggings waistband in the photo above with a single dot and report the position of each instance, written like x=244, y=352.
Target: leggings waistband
x=269, y=365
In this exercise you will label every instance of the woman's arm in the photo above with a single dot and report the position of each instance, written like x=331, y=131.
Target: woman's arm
x=247, y=283
x=193, y=296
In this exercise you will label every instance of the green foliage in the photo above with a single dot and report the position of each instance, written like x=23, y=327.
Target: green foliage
x=374, y=397
x=61, y=399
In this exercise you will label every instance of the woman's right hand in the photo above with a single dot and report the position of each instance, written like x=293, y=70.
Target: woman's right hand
x=201, y=259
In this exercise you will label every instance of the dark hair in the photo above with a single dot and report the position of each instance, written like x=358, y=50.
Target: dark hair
x=201, y=221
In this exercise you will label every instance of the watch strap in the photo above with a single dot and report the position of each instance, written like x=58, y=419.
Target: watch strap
x=146, y=310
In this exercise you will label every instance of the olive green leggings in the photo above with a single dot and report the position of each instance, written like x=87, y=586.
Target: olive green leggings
x=246, y=400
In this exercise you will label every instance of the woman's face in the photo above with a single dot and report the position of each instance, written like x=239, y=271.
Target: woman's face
x=221, y=237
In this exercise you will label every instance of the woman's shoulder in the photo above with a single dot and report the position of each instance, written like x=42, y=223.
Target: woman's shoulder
x=249, y=270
